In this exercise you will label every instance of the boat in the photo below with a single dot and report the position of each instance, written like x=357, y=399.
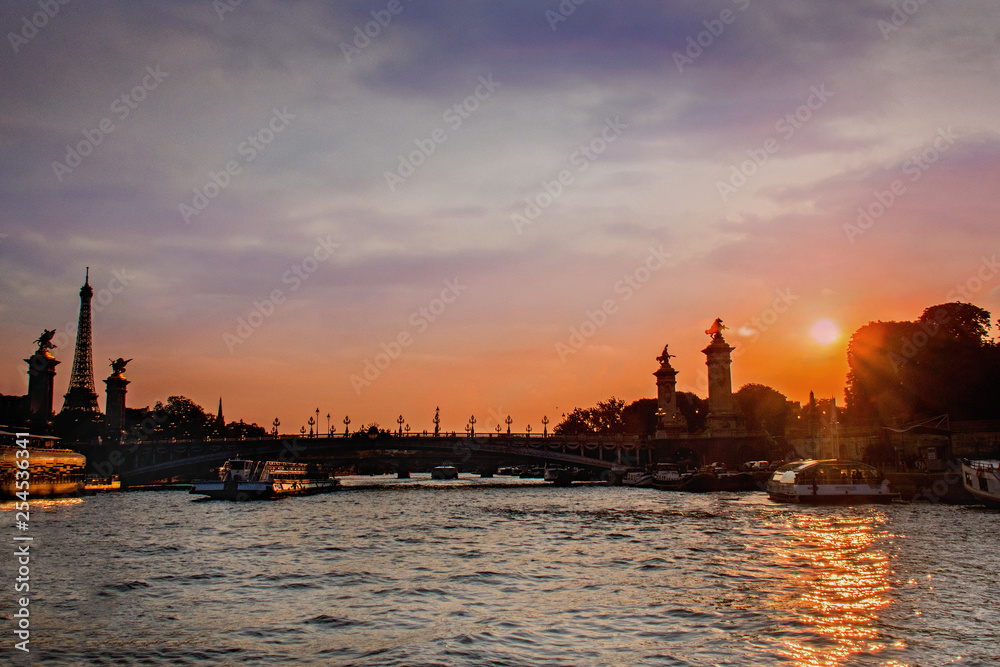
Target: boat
x=981, y=479
x=829, y=482
x=667, y=476
x=558, y=475
x=240, y=479
x=46, y=471
x=444, y=472
x=637, y=477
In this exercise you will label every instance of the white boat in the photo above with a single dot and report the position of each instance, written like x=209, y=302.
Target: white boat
x=444, y=472
x=637, y=477
x=982, y=480
x=829, y=482
x=240, y=479
x=667, y=476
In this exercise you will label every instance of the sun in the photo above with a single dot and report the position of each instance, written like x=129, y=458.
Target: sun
x=825, y=332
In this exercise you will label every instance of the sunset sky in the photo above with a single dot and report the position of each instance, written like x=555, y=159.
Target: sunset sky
x=517, y=204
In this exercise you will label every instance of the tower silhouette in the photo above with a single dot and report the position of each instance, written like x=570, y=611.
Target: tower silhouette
x=81, y=394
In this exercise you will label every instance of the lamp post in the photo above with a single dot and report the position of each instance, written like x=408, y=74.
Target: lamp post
x=498, y=430
x=275, y=429
x=528, y=430
x=311, y=422
x=407, y=430
x=545, y=427
x=508, y=420
x=400, y=420
x=437, y=421
x=472, y=426
x=317, y=422
x=347, y=422
x=328, y=430
x=303, y=431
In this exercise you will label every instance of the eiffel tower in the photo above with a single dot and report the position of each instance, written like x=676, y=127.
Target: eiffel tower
x=81, y=394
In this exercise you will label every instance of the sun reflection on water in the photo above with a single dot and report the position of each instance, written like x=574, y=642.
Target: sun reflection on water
x=840, y=581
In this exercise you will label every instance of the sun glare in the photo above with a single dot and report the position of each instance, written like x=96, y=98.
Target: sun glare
x=825, y=332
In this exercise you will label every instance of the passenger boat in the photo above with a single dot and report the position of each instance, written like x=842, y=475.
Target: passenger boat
x=637, y=477
x=240, y=479
x=829, y=482
x=444, y=472
x=982, y=480
x=49, y=471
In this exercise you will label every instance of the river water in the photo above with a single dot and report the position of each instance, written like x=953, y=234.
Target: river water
x=504, y=572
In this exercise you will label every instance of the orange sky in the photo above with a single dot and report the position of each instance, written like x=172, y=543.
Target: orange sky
x=530, y=215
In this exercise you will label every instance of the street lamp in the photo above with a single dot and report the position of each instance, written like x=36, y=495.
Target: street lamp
x=508, y=420
x=276, y=424
x=311, y=422
x=498, y=430
x=328, y=431
x=437, y=421
x=528, y=430
x=400, y=420
x=407, y=429
x=472, y=426
x=317, y=422
x=347, y=422
x=545, y=427
x=303, y=431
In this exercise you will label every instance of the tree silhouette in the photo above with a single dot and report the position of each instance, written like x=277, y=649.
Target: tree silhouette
x=604, y=418
x=942, y=363
x=764, y=408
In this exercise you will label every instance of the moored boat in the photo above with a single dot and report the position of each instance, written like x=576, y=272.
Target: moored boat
x=240, y=479
x=637, y=477
x=444, y=472
x=982, y=480
x=558, y=475
x=667, y=476
x=31, y=467
x=829, y=482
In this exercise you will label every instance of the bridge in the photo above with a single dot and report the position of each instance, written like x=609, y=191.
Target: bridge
x=143, y=462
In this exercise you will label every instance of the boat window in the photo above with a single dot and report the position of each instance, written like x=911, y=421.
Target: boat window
x=983, y=484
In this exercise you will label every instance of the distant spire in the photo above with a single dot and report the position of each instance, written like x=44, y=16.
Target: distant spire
x=220, y=421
